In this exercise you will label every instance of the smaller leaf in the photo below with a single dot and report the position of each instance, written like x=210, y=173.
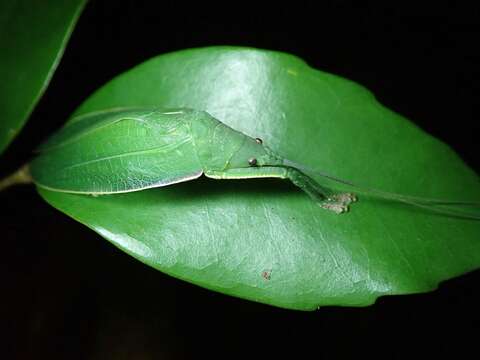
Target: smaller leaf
x=33, y=36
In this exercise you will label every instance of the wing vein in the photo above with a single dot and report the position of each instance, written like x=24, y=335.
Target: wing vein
x=161, y=149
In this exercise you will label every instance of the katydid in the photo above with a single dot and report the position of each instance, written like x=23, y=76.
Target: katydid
x=125, y=150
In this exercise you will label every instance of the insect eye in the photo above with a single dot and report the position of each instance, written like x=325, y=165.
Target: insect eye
x=252, y=162
x=259, y=141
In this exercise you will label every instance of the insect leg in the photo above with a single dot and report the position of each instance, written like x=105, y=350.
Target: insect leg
x=326, y=199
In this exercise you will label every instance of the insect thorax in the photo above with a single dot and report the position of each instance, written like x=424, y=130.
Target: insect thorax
x=220, y=147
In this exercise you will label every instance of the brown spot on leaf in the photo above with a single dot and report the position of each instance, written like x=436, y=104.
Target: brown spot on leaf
x=267, y=274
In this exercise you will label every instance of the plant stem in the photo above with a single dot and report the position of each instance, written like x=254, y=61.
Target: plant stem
x=21, y=176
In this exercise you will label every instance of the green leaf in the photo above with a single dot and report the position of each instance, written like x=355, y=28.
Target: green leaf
x=33, y=36
x=265, y=240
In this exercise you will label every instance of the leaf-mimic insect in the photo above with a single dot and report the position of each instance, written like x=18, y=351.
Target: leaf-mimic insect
x=125, y=150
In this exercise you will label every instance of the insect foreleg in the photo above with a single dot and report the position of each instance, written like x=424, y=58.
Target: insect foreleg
x=336, y=202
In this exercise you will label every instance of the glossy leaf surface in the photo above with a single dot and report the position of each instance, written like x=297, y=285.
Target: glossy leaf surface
x=33, y=36
x=265, y=240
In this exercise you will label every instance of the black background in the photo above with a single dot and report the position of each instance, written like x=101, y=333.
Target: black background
x=66, y=293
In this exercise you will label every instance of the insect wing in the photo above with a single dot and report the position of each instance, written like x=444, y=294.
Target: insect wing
x=118, y=151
